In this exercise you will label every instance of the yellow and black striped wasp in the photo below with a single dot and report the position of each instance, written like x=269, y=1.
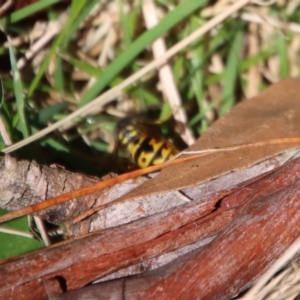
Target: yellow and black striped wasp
x=144, y=143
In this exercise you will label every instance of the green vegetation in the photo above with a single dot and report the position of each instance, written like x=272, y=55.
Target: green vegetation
x=94, y=47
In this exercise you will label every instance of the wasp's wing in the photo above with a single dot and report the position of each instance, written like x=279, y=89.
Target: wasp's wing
x=150, y=130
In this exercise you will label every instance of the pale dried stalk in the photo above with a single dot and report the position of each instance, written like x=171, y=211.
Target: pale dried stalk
x=254, y=17
x=253, y=73
x=166, y=77
x=215, y=9
x=53, y=29
x=292, y=6
x=6, y=6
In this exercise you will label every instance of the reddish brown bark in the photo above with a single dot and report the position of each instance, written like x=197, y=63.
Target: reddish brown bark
x=242, y=252
x=32, y=266
x=262, y=230
x=259, y=234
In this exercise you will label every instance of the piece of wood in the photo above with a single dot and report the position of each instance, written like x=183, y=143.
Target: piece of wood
x=30, y=267
x=227, y=257
x=216, y=207
x=264, y=228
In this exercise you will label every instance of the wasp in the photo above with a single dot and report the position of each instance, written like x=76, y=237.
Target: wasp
x=144, y=144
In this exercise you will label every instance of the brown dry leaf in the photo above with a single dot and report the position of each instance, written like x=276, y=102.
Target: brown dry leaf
x=275, y=113
x=224, y=210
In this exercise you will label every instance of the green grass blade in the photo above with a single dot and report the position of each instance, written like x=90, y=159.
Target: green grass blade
x=2, y=92
x=27, y=11
x=125, y=25
x=59, y=83
x=18, y=91
x=75, y=12
x=231, y=73
x=12, y=245
x=79, y=19
x=282, y=49
x=125, y=58
x=83, y=66
x=47, y=113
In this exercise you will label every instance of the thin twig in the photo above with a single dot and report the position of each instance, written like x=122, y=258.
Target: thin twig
x=107, y=183
x=166, y=77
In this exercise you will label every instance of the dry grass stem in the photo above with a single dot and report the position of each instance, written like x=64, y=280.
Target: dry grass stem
x=166, y=77
x=6, y=6
x=52, y=30
x=254, y=78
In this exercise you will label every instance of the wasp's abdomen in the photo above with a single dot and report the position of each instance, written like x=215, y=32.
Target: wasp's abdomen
x=145, y=150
